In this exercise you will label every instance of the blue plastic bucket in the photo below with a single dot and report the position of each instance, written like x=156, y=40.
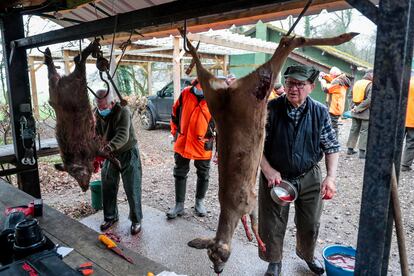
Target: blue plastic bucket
x=333, y=270
x=96, y=194
x=347, y=114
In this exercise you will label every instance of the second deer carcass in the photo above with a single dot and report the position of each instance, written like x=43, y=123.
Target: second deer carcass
x=239, y=110
x=75, y=124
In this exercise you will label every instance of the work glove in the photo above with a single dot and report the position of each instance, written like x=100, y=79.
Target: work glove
x=98, y=163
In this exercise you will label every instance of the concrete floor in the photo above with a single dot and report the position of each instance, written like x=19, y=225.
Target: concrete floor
x=165, y=242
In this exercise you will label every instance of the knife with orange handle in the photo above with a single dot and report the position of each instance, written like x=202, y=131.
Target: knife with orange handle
x=110, y=244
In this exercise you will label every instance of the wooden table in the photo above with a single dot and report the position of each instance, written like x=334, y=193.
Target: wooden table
x=68, y=232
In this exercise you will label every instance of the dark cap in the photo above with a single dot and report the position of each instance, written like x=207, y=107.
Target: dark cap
x=301, y=73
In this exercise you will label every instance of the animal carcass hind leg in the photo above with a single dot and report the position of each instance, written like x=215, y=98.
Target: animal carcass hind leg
x=246, y=227
x=253, y=221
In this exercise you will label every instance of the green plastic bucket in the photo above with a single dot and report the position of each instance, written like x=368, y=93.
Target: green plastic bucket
x=96, y=194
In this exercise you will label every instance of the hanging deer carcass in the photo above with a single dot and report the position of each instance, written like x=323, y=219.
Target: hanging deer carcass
x=75, y=124
x=239, y=110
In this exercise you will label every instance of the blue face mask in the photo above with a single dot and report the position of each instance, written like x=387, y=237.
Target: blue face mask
x=104, y=112
x=198, y=92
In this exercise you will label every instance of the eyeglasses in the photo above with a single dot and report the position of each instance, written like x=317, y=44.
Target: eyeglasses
x=291, y=84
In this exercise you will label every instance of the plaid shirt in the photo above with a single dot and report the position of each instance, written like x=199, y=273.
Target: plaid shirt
x=329, y=143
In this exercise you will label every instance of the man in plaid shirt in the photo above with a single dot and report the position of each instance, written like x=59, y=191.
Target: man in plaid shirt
x=298, y=134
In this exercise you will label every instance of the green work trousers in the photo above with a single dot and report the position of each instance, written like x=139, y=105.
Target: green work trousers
x=334, y=121
x=131, y=173
x=181, y=169
x=273, y=218
x=358, y=128
x=408, y=154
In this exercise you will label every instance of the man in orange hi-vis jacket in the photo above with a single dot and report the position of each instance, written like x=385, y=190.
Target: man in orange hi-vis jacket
x=194, y=130
x=335, y=84
x=408, y=154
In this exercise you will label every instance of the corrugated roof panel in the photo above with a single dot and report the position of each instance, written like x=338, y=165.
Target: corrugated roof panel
x=159, y=2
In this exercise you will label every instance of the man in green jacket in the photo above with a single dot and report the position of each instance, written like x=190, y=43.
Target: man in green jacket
x=113, y=123
x=361, y=102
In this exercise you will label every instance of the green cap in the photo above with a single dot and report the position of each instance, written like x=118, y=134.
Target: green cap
x=301, y=73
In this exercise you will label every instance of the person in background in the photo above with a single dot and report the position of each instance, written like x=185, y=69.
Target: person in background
x=361, y=102
x=298, y=134
x=277, y=91
x=408, y=153
x=230, y=78
x=194, y=130
x=335, y=84
x=113, y=123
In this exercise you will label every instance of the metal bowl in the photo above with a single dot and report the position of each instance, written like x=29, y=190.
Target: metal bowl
x=284, y=193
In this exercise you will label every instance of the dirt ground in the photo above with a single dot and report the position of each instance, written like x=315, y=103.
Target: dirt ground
x=339, y=220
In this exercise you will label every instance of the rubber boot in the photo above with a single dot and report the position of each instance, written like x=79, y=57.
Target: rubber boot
x=178, y=210
x=199, y=207
x=351, y=151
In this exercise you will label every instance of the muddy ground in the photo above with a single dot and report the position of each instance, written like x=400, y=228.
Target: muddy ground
x=339, y=220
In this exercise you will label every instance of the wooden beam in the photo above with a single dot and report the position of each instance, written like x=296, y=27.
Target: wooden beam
x=137, y=60
x=184, y=54
x=130, y=47
x=229, y=43
x=176, y=67
x=367, y=8
x=146, y=58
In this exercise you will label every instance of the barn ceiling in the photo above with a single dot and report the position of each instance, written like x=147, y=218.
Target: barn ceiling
x=161, y=18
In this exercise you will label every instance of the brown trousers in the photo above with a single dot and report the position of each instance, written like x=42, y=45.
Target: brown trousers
x=273, y=218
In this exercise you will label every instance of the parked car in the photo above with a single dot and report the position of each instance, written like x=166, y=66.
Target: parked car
x=159, y=106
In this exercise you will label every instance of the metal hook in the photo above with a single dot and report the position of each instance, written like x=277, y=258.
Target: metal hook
x=106, y=82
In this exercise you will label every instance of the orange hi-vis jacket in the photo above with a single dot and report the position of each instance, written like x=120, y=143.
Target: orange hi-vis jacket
x=336, y=95
x=409, y=119
x=329, y=78
x=192, y=125
x=358, y=91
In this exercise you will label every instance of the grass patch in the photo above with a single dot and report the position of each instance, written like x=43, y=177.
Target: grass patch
x=51, y=159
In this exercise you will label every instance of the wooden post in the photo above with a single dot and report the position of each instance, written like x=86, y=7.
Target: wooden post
x=225, y=65
x=176, y=67
x=182, y=72
x=18, y=85
x=149, y=77
x=66, y=62
x=33, y=86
